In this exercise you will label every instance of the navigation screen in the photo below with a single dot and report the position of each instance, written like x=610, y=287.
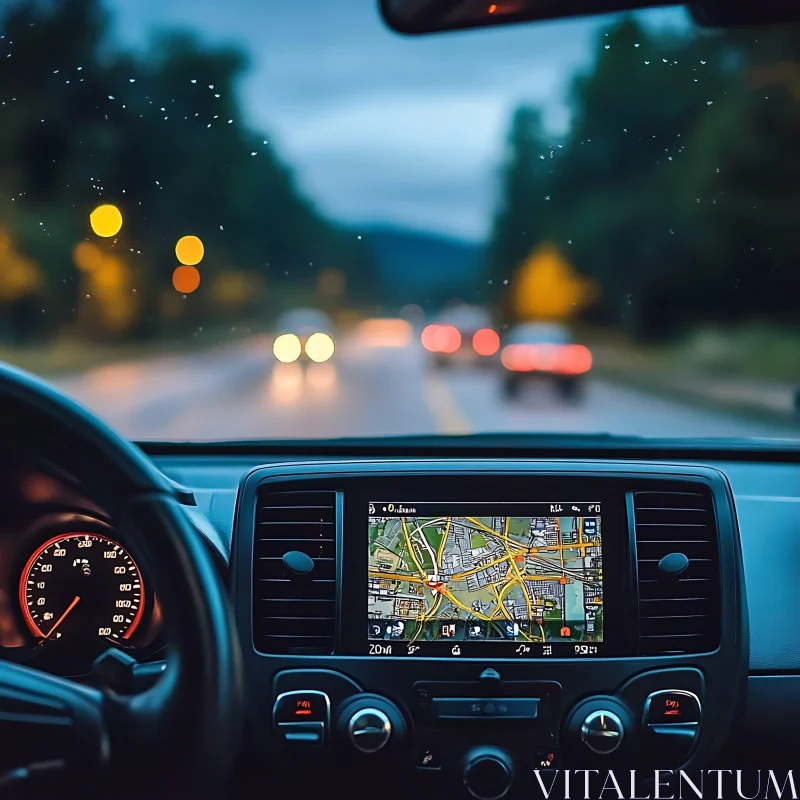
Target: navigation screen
x=466, y=579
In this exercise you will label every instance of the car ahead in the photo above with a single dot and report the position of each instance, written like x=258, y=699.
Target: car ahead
x=303, y=334
x=462, y=334
x=538, y=350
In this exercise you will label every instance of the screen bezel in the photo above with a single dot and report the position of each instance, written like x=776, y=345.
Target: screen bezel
x=619, y=564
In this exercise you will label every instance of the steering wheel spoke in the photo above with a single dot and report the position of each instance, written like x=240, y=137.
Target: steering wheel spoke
x=49, y=726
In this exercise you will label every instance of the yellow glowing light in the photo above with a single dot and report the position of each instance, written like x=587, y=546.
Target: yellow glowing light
x=189, y=250
x=87, y=257
x=319, y=347
x=185, y=279
x=287, y=348
x=106, y=220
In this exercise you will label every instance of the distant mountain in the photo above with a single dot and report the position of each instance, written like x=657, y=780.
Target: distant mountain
x=424, y=267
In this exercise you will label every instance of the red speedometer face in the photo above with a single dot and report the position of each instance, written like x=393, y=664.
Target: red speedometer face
x=81, y=585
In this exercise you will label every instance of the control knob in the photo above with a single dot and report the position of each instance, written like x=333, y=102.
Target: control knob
x=370, y=723
x=598, y=724
x=602, y=731
x=369, y=730
x=488, y=773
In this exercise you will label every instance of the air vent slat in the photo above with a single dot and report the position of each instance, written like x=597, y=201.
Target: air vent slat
x=294, y=613
x=677, y=614
x=276, y=549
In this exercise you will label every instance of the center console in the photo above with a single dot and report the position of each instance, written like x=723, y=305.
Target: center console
x=469, y=626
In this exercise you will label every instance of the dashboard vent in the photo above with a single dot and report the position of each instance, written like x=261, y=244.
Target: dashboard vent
x=293, y=612
x=678, y=613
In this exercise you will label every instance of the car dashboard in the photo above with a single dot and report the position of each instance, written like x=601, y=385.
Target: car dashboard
x=464, y=618
x=674, y=651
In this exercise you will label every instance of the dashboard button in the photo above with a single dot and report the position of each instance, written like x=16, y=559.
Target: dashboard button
x=304, y=734
x=546, y=758
x=305, y=705
x=428, y=758
x=672, y=706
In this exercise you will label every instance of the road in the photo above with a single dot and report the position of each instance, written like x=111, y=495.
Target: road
x=239, y=392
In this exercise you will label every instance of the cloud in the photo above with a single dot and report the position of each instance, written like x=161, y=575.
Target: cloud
x=378, y=126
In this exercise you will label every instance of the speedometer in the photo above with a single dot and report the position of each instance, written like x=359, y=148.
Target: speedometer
x=81, y=585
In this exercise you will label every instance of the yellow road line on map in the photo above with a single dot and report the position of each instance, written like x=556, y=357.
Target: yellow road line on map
x=443, y=406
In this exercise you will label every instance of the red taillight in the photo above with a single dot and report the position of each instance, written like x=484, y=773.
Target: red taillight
x=429, y=337
x=441, y=339
x=575, y=360
x=486, y=342
x=560, y=359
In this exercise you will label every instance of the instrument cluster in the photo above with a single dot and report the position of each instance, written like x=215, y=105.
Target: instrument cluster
x=69, y=587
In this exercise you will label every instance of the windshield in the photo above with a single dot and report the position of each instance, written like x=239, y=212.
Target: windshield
x=261, y=219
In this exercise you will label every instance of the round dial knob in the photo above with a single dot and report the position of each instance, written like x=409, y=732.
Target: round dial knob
x=369, y=730
x=488, y=773
x=602, y=731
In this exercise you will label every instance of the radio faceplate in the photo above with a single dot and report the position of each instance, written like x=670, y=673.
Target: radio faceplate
x=619, y=676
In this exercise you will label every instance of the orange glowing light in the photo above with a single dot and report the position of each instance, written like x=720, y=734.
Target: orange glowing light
x=492, y=8
x=87, y=257
x=185, y=279
x=486, y=342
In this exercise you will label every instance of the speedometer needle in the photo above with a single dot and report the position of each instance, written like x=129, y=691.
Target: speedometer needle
x=63, y=616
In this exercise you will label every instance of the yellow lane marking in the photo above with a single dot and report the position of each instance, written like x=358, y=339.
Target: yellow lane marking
x=443, y=406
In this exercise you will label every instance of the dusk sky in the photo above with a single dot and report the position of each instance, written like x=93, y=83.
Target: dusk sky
x=377, y=126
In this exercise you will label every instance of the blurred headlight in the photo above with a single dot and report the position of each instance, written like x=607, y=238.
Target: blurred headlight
x=319, y=347
x=287, y=348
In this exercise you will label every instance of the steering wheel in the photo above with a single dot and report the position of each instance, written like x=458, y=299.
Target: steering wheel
x=184, y=731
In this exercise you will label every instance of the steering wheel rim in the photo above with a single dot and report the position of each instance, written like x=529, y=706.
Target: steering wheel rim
x=193, y=715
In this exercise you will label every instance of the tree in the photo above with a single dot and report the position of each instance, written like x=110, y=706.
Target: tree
x=675, y=187
x=162, y=135
x=523, y=215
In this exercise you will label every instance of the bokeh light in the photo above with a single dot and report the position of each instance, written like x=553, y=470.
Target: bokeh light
x=319, y=347
x=87, y=257
x=558, y=359
x=185, y=279
x=189, y=250
x=287, y=348
x=106, y=220
x=486, y=342
x=385, y=332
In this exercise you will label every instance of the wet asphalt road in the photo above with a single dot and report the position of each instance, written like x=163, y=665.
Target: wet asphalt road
x=241, y=392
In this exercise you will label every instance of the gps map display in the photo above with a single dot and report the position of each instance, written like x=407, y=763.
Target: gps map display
x=530, y=578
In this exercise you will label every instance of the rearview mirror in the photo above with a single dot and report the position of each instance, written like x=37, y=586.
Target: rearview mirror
x=428, y=16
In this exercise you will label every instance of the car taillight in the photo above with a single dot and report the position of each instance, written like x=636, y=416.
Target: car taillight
x=486, y=342
x=560, y=359
x=441, y=338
